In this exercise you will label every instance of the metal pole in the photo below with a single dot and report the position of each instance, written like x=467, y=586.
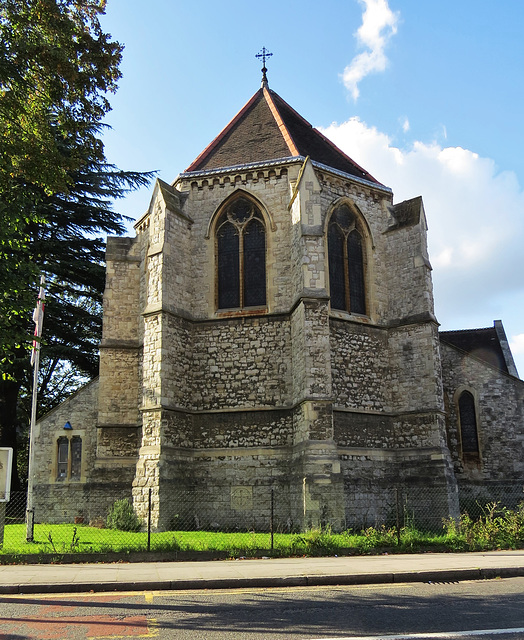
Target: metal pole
x=398, y=516
x=30, y=514
x=272, y=516
x=38, y=317
x=2, y=523
x=149, y=521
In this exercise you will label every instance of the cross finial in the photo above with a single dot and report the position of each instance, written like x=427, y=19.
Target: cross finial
x=264, y=54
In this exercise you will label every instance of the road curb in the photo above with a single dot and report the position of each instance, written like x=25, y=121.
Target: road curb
x=436, y=576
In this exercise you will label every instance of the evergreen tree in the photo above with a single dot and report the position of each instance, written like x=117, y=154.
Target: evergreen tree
x=56, y=191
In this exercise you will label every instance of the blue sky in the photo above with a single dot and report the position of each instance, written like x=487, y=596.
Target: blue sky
x=427, y=96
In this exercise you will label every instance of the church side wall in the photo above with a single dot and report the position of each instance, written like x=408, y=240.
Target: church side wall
x=499, y=401
x=242, y=362
x=62, y=500
x=360, y=366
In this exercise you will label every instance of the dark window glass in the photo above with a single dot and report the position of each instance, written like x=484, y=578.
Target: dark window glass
x=228, y=267
x=76, y=457
x=241, y=256
x=254, y=264
x=468, y=423
x=63, y=453
x=357, y=296
x=337, y=277
x=346, y=262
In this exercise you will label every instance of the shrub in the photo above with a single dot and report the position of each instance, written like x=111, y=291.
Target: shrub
x=122, y=517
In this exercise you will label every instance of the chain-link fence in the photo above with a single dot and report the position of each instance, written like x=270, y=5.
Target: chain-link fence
x=395, y=517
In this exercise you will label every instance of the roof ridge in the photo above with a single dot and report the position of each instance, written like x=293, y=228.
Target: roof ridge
x=334, y=146
x=288, y=139
x=326, y=139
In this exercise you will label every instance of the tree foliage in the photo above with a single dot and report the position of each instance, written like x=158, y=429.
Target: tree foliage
x=56, y=192
x=56, y=67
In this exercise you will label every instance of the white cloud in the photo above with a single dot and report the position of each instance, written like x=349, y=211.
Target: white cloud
x=405, y=125
x=475, y=218
x=517, y=344
x=379, y=23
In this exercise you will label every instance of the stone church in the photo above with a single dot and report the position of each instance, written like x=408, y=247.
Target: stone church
x=271, y=328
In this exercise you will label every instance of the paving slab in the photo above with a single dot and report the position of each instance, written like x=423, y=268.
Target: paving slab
x=265, y=572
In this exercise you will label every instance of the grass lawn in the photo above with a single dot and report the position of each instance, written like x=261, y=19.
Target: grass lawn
x=498, y=528
x=68, y=538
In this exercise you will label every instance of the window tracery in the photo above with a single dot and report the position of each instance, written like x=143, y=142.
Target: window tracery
x=346, y=262
x=241, y=256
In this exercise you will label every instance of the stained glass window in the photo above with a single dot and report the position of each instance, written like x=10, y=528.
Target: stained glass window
x=63, y=454
x=468, y=423
x=228, y=267
x=346, y=262
x=254, y=264
x=357, y=297
x=241, y=256
x=69, y=458
x=76, y=457
x=337, y=278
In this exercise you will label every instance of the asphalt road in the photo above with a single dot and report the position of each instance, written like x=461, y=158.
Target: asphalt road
x=304, y=613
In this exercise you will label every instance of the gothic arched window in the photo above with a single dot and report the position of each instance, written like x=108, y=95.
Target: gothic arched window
x=468, y=425
x=346, y=262
x=241, y=256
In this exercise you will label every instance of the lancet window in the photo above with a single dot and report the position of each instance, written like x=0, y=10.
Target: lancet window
x=346, y=262
x=468, y=425
x=69, y=458
x=241, y=256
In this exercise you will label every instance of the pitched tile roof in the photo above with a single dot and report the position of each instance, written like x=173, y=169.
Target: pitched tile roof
x=482, y=343
x=267, y=128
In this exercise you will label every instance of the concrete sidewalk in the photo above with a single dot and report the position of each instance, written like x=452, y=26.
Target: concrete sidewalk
x=281, y=572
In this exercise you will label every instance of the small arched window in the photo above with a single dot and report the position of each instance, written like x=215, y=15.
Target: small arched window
x=69, y=458
x=468, y=425
x=346, y=262
x=241, y=256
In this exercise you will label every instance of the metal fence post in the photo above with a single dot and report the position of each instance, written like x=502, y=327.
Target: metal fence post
x=149, y=521
x=272, y=516
x=398, y=515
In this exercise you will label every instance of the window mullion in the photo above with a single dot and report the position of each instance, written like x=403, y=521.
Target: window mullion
x=346, y=274
x=241, y=265
x=69, y=456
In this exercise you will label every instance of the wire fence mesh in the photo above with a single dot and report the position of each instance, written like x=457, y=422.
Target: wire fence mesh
x=392, y=521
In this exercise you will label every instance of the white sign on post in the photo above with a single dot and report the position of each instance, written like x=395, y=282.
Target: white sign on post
x=6, y=462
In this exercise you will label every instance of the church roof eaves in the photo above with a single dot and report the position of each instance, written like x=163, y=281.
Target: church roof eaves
x=188, y=175
x=484, y=344
x=350, y=176
x=239, y=167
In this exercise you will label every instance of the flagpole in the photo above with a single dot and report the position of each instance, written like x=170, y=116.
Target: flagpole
x=30, y=514
x=38, y=318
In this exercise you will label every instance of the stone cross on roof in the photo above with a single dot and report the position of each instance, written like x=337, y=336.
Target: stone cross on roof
x=264, y=53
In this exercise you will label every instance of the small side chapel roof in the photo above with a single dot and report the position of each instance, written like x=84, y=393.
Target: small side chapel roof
x=267, y=128
x=489, y=344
